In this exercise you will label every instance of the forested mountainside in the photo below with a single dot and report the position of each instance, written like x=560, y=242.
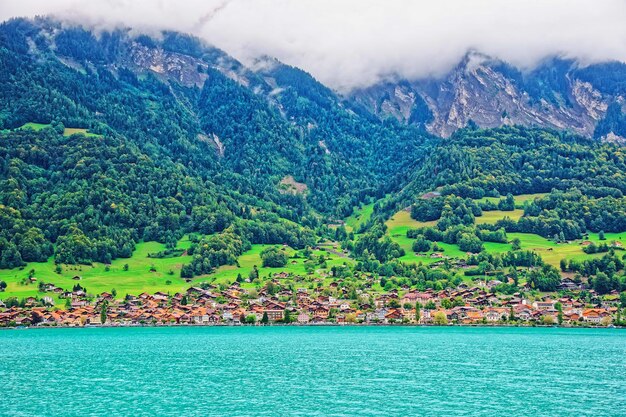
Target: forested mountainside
x=559, y=94
x=112, y=139
x=476, y=163
x=177, y=131
x=577, y=185
x=586, y=178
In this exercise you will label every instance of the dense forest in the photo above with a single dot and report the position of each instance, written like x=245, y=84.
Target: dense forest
x=169, y=154
x=109, y=140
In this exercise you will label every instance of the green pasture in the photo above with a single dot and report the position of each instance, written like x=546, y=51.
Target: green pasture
x=491, y=217
x=295, y=265
x=138, y=278
x=550, y=251
x=69, y=131
x=360, y=216
x=519, y=199
x=150, y=275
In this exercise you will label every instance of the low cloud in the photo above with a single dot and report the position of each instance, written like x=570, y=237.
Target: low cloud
x=354, y=43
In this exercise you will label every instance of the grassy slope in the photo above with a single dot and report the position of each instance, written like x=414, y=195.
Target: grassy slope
x=519, y=199
x=138, y=278
x=490, y=217
x=550, y=251
x=360, y=216
x=295, y=265
x=67, y=132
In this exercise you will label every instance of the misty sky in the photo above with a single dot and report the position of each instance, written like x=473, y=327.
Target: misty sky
x=353, y=43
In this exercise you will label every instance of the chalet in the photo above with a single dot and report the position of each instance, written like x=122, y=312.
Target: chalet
x=473, y=317
x=303, y=318
x=569, y=284
x=571, y=316
x=393, y=315
x=200, y=317
x=270, y=305
x=493, y=315
x=544, y=305
x=321, y=311
x=78, y=303
x=594, y=315
x=160, y=296
x=257, y=309
x=275, y=314
x=410, y=298
x=460, y=313
x=30, y=301
x=195, y=290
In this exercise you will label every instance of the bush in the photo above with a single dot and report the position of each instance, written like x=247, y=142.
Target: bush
x=440, y=318
x=273, y=258
x=421, y=245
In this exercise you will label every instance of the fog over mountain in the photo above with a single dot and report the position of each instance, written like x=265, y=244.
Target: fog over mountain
x=358, y=43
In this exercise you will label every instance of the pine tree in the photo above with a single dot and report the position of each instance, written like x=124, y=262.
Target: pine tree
x=103, y=312
x=418, y=313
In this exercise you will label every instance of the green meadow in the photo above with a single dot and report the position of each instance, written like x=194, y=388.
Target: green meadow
x=150, y=275
x=519, y=199
x=296, y=265
x=143, y=274
x=550, y=251
x=69, y=131
x=397, y=227
x=360, y=216
x=491, y=217
x=163, y=274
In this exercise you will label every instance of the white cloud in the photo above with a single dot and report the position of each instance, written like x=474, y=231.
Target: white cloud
x=352, y=43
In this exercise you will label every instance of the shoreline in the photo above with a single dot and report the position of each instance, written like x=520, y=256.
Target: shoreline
x=93, y=326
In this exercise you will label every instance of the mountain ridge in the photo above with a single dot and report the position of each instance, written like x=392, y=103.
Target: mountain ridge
x=558, y=94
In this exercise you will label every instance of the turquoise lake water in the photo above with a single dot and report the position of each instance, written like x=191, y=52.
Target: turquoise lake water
x=313, y=371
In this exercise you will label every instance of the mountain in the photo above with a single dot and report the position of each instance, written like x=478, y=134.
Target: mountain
x=174, y=136
x=170, y=154
x=111, y=138
x=208, y=99
x=557, y=94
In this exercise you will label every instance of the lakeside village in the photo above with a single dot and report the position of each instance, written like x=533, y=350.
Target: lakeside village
x=572, y=305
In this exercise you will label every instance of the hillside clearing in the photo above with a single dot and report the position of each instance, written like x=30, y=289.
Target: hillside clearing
x=360, y=216
x=68, y=131
x=150, y=275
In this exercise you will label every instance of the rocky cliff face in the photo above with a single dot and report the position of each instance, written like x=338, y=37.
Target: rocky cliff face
x=557, y=94
x=491, y=93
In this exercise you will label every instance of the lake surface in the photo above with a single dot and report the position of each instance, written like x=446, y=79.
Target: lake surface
x=313, y=371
